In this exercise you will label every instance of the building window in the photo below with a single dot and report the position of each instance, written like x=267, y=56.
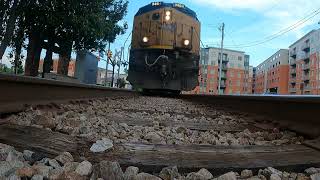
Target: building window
x=231, y=74
x=239, y=58
x=239, y=75
x=238, y=83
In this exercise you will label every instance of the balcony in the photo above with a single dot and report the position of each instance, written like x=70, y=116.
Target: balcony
x=293, y=62
x=223, y=85
x=306, y=57
x=224, y=60
x=306, y=78
x=223, y=76
x=306, y=47
x=224, y=67
x=293, y=54
x=293, y=71
x=307, y=88
x=306, y=67
x=293, y=80
x=293, y=90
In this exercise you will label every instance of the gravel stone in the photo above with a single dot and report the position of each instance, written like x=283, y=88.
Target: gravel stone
x=169, y=173
x=194, y=176
x=27, y=155
x=205, y=173
x=315, y=176
x=312, y=170
x=54, y=163
x=246, y=174
x=131, y=173
x=5, y=168
x=275, y=177
x=55, y=174
x=37, y=177
x=70, y=166
x=42, y=170
x=4, y=151
x=64, y=158
x=14, y=156
x=25, y=172
x=228, y=176
x=84, y=168
x=101, y=145
x=146, y=176
x=111, y=170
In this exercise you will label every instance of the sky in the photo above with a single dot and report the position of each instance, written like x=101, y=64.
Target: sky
x=248, y=24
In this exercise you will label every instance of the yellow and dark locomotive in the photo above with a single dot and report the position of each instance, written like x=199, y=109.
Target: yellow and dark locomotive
x=165, y=48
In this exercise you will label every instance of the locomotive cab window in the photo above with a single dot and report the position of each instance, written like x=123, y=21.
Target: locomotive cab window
x=156, y=16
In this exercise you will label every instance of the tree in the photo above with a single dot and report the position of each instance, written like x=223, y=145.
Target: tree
x=121, y=82
x=11, y=13
x=4, y=69
x=59, y=26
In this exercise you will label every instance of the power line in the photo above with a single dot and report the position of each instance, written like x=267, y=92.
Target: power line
x=280, y=33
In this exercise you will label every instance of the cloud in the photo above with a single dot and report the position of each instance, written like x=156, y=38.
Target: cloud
x=275, y=15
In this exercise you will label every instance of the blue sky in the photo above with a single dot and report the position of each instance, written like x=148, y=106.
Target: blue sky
x=246, y=21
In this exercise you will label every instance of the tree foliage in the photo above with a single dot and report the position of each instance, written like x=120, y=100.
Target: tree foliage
x=59, y=26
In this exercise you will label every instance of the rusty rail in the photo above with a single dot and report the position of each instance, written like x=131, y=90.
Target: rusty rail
x=297, y=113
x=18, y=92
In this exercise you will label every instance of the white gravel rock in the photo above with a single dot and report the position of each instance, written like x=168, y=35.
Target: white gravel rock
x=54, y=163
x=27, y=155
x=246, y=174
x=84, y=168
x=315, y=176
x=37, y=177
x=64, y=158
x=131, y=173
x=312, y=170
x=102, y=145
x=205, y=173
x=228, y=176
x=146, y=176
x=275, y=177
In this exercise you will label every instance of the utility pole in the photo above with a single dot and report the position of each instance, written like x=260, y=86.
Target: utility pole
x=119, y=64
x=221, y=56
x=107, y=63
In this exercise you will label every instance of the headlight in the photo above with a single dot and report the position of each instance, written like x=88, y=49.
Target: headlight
x=168, y=18
x=186, y=42
x=168, y=15
x=145, y=39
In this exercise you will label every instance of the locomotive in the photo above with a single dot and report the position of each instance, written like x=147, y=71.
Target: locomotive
x=165, y=48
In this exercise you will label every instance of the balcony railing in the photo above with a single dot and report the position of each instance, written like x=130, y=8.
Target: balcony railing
x=306, y=77
x=223, y=85
x=293, y=54
x=293, y=80
x=307, y=88
x=293, y=71
x=306, y=67
x=223, y=76
x=224, y=60
x=293, y=90
x=224, y=67
x=306, y=47
x=306, y=57
x=293, y=62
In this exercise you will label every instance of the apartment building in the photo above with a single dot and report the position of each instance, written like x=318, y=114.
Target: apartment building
x=272, y=75
x=304, y=65
x=233, y=74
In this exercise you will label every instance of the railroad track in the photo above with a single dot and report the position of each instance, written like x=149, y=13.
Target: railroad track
x=118, y=114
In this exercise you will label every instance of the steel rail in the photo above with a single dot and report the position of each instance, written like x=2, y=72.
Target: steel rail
x=19, y=92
